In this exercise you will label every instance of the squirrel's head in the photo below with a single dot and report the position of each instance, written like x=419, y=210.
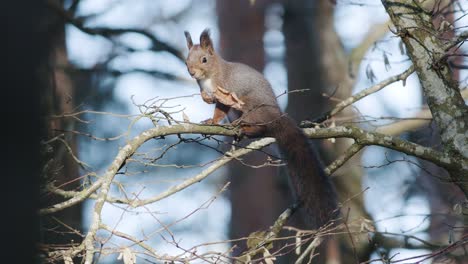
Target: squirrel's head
x=202, y=57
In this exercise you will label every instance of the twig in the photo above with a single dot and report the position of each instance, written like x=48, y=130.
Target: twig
x=357, y=54
x=352, y=99
x=78, y=198
x=310, y=249
x=158, y=45
x=349, y=153
x=205, y=173
x=82, y=164
x=422, y=118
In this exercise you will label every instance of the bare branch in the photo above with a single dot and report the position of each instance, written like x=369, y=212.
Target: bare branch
x=372, y=138
x=138, y=242
x=340, y=161
x=259, y=144
x=310, y=249
x=352, y=99
x=428, y=53
x=357, y=54
x=78, y=198
x=421, y=119
x=158, y=45
x=361, y=136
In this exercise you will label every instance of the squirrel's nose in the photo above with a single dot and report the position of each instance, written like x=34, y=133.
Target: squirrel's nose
x=192, y=73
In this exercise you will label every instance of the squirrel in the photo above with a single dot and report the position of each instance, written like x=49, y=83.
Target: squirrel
x=242, y=94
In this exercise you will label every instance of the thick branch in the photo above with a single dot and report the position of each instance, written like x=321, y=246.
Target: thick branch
x=362, y=138
x=366, y=138
x=118, y=162
x=427, y=52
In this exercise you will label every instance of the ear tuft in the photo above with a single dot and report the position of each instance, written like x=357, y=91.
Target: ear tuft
x=189, y=39
x=205, y=41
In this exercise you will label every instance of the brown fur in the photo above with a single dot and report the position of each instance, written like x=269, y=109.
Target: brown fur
x=261, y=116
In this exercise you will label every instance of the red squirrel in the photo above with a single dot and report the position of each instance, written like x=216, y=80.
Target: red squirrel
x=246, y=97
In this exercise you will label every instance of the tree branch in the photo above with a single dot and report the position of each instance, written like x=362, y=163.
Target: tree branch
x=367, y=138
x=419, y=120
x=76, y=199
x=340, y=161
x=362, y=138
x=256, y=145
x=427, y=51
x=352, y=99
x=357, y=54
x=158, y=45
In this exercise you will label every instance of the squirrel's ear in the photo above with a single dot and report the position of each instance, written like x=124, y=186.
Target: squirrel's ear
x=189, y=39
x=205, y=41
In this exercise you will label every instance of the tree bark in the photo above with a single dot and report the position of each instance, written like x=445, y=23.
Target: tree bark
x=307, y=80
x=62, y=168
x=338, y=80
x=255, y=195
x=428, y=53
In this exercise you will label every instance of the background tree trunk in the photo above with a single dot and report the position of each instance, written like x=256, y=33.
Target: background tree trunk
x=338, y=81
x=307, y=27
x=62, y=169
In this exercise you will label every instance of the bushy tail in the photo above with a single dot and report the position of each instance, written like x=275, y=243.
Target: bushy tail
x=313, y=188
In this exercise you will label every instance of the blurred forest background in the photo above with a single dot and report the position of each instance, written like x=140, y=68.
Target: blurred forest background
x=111, y=69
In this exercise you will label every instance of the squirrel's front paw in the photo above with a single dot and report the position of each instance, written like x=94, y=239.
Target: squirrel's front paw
x=209, y=99
x=208, y=121
x=236, y=122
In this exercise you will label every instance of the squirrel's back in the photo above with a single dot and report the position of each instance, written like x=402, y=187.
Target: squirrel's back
x=249, y=85
x=261, y=116
x=311, y=185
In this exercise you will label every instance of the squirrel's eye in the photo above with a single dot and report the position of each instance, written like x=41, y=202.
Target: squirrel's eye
x=204, y=60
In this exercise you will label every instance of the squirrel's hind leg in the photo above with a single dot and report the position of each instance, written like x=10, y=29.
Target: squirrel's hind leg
x=252, y=130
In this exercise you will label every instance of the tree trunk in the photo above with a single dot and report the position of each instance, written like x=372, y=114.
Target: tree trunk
x=256, y=198
x=62, y=168
x=428, y=54
x=338, y=81
x=304, y=62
